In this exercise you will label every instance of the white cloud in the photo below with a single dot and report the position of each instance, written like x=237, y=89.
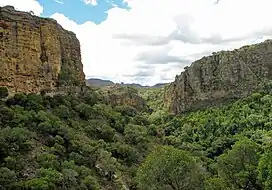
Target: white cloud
x=59, y=2
x=128, y=44
x=164, y=35
x=24, y=5
x=92, y=2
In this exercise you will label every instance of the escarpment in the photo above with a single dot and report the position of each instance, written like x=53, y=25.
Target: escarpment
x=220, y=77
x=37, y=53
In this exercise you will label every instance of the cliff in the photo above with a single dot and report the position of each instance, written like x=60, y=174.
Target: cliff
x=220, y=77
x=37, y=53
x=118, y=95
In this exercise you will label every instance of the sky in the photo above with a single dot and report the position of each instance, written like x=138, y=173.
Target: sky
x=151, y=41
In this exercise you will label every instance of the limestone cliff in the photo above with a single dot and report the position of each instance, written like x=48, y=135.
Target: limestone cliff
x=220, y=77
x=37, y=53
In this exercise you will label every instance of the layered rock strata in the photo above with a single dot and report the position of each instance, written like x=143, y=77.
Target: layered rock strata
x=37, y=53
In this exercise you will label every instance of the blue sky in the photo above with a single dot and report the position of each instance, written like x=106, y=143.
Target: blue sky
x=79, y=11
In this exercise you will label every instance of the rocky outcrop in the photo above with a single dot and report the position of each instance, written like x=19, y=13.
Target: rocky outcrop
x=118, y=95
x=220, y=77
x=37, y=53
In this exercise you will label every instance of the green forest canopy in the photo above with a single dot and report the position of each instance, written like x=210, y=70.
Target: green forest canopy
x=78, y=141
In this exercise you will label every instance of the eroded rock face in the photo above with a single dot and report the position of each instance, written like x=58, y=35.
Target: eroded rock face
x=118, y=95
x=37, y=53
x=221, y=77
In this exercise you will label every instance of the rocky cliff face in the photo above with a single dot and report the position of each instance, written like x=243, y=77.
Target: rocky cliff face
x=118, y=95
x=37, y=53
x=220, y=77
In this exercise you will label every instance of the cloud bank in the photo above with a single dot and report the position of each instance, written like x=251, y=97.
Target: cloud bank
x=154, y=40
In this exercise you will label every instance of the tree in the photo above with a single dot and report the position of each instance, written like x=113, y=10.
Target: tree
x=15, y=140
x=125, y=152
x=265, y=170
x=239, y=165
x=45, y=179
x=6, y=115
x=90, y=182
x=106, y=165
x=3, y=92
x=136, y=135
x=47, y=160
x=170, y=168
x=85, y=111
x=7, y=178
x=216, y=184
x=69, y=179
x=63, y=112
x=100, y=129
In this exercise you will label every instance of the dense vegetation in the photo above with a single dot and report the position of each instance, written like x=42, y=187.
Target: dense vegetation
x=80, y=141
x=69, y=142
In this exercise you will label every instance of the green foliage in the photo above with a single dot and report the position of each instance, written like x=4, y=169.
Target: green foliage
x=47, y=160
x=8, y=178
x=69, y=74
x=37, y=184
x=136, y=135
x=46, y=179
x=230, y=141
x=265, y=170
x=85, y=111
x=3, y=92
x=6, y=114
x=100, y=129
x=15, y=140
x=216, y=184
x=239, y=165
x=127, y=110
x=82, y=141
x=106, y=165
x=154, y=97
x=127, y=153
x=90, y=182
x=170, y=168
x=68, y=142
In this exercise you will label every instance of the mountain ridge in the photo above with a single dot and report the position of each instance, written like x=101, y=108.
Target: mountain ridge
x=96, y=82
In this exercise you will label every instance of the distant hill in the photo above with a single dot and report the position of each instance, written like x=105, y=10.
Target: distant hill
x=95, y=82
x=159, y=85
x=98, y=82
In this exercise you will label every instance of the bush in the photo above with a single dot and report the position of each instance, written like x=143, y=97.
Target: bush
x=7, y=178
x=170, y=168
x=3, y=92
